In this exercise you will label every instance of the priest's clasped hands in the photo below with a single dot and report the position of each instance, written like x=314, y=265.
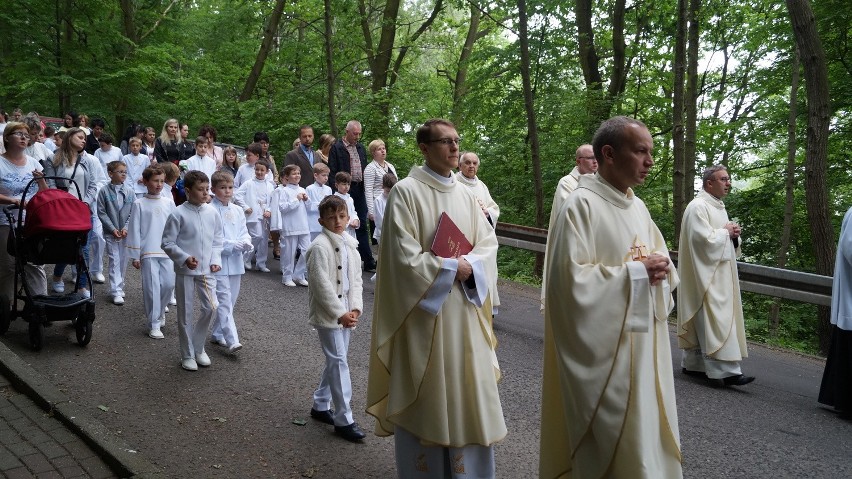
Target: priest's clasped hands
x=657, y=266
x=733, y=230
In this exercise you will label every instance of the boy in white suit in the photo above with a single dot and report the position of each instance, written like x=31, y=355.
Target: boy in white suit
x=316, y=192
x=254, y=197
x=115, y=201
x=193, y=240
x=236, y=241
x=335, y=299
x=290, y=216
x=144, y=233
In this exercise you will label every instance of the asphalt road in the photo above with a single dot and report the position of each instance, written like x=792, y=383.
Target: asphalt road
x=235, y=418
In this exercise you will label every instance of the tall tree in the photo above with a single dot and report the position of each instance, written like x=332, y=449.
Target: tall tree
x=680, y=159
x=816, y=193
x=529, y=106
x=269, y=32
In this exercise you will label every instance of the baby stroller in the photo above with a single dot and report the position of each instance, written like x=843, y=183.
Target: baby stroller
x=54, y=230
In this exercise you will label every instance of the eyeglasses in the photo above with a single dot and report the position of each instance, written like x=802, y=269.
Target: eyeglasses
x=21, y=134
x=447, y=141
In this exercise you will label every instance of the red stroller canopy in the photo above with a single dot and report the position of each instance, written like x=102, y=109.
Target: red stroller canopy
x=54, y=211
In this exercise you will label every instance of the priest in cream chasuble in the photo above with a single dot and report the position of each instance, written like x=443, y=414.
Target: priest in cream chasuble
x=711, y=330
x=433, y=368
x=608, y=400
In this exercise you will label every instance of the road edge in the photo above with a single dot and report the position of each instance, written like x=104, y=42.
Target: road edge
x=124, y=461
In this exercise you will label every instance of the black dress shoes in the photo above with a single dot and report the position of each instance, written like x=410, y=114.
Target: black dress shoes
x=322, y=416
x=738, y=380
x=370, y=266
x=697, y=374
x=351, y=432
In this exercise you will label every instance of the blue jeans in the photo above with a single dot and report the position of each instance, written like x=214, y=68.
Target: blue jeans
x=82, y=280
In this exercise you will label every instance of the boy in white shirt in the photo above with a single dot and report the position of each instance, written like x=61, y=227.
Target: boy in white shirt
x=246, y=171
x=254, y=197
x=115, y=201
x=235, y=242
x=193, y=240
x=343, y=181
x=200, y=161
x=144, y=234
x=316, y=192
x=136, y=163
x=335, y=299
x=290, y=217
x=107, y=153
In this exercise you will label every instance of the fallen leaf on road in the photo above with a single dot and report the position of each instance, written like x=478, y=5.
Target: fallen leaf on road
x=103, y=408
x=309, y=472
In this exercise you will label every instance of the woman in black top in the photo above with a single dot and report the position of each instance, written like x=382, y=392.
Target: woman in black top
x=169, y=146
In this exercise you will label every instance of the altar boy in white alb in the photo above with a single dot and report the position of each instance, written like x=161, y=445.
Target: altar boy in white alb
x=193, y=240
x=236, y=241
x=290, y=217
x=254, y=197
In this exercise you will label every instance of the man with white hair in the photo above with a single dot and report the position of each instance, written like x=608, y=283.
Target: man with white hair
x=348, y=154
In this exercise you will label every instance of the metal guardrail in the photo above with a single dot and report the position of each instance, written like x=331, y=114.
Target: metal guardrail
x=776, y=282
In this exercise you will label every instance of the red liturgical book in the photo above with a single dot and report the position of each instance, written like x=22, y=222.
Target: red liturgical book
x=449, y=241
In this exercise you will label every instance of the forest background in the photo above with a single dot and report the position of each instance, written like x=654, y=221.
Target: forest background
x=763, y=87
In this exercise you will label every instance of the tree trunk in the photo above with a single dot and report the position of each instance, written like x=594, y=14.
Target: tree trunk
x=789, y=187
x=329, y=69
x=532, y=128
x=265, y=46
x=679, y=166
x=816, y=194
x=690, y=101
x=460, y=83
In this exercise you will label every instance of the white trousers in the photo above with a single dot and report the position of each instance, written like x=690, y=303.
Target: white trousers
x=192, y=333
x=227, y=292
x=259, y=232
x=416, y=461
x=117, y=266
x=34, y=274
x=158, y=284
x=290, y=267
x=96, y=246
x=696, y=360
x=335, y=384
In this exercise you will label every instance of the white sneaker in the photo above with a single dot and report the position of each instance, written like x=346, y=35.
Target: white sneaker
x=172, y=302
x=166, y=310
x=98, y=278
x=117, y=300
x=85, y=292
x=156, y=334
x=189, y=364
x=262, y=269
x=247, y=264
x=302, y=282
x=202, y=359
x=289, y=282
x=58, y=287
x=219, y=342
x=236, y=347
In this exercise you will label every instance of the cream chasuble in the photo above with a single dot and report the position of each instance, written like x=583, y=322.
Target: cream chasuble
x=608, y=400
x=708, y=269
x=483, y=197
x=433, y=375
x=567, y=184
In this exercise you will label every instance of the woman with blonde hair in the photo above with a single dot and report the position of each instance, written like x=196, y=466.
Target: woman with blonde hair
x=169, y=146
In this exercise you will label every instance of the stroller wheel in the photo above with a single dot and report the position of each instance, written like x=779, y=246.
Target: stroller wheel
x=83, y=328
x=5, y=315
x=36, y=335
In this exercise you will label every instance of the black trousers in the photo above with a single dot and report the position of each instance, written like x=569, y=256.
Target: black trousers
x=359, y=197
